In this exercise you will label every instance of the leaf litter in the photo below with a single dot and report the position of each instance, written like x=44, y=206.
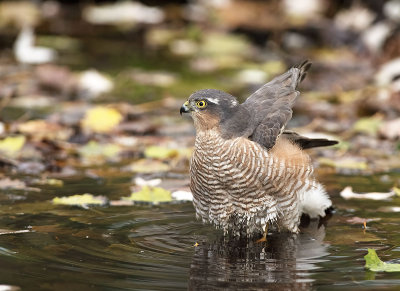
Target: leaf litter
x=374, y=263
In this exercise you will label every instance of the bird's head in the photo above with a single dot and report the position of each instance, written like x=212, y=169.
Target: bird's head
x=209, y=108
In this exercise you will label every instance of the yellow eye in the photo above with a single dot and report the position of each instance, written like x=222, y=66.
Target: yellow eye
x=201, y=104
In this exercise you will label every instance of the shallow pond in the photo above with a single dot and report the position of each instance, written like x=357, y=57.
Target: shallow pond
x=49, y=247
x=163, y=247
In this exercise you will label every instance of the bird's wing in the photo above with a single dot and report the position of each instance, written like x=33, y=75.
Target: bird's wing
x=305, y=142
x=271, y=105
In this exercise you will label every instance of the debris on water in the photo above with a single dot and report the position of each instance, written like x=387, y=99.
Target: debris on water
x=7, y=183
x=347, y=193
x=181, y=195
x=374, y=263
x=139, y=181
x=6, y=231
x=82, y=200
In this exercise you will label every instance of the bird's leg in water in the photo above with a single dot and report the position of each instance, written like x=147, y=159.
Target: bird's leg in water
x=264, y=238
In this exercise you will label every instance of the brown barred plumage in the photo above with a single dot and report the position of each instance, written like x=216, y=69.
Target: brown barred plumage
x=242, y=177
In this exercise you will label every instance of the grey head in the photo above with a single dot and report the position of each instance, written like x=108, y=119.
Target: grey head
x=211, y=108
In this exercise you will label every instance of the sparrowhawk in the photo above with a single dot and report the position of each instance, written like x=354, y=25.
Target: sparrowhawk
x=246, y=171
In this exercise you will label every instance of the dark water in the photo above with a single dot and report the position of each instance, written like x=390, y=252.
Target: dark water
x=152, y=247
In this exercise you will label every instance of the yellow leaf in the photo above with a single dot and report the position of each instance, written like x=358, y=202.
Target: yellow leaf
x=158, y=152
x=149, y=166
x=94, y=150
x=220, y=45
x=368, y=125
x=150, y=194
x=396, y=191
x=274, y=67
x=11, y=145
x=50, y=181
x=344, y=163
x=101, y=119
x=80, y=200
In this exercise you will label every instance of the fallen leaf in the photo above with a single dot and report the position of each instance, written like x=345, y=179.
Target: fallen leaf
x=347, y=193
x=51, y=182
x=149, y=166
x=41, y=129
x=368, y=125
x=8, y=183
x=153, y=195
x=80, y=200
x=374, y=263
x=11, y=145
x=221, y=44
x=121, y=203
x=93, y=151
x=345, y=163
x=273, y=68
x=101, y=119
x=158, y=152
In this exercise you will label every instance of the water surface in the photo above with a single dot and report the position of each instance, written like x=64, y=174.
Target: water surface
x=48, y=247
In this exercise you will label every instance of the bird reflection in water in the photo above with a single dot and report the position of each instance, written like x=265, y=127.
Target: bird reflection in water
x=282, y=263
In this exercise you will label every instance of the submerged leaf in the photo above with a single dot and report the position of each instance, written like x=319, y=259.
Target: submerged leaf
x=374, y=263
x=80, y=200
x=101, y=119
x=150, y=194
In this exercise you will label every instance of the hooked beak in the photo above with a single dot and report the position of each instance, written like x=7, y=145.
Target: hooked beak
x=185, y=108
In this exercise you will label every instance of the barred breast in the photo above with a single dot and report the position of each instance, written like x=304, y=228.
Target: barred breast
x=240, y=187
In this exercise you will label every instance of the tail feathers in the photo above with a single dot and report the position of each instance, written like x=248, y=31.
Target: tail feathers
x=307, y=143
x=303, y=67
x=316, y=201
